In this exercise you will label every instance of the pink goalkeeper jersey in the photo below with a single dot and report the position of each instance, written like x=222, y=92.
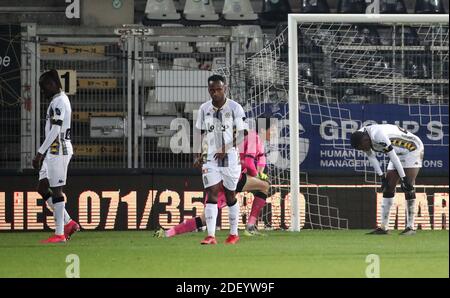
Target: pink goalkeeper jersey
x=252, y=155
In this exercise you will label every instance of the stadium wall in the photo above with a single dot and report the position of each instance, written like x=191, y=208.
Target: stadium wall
x=142, y=201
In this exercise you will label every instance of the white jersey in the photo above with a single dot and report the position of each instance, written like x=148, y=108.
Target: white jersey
x=219, y=125
x=59, y=112
x=386, y=137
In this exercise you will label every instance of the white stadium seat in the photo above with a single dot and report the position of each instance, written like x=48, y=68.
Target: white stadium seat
x=189, y=108
x=161, y=10
x=174, y=47
x=211, y=46
x=164, y=142
x=152, y=107
x=185, y=64
x=251, y=37
x=218, y=62
x=200, y=10
x=151, y=66
x=236, y=10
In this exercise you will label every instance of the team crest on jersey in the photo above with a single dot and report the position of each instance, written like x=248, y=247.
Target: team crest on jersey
x=227, y=115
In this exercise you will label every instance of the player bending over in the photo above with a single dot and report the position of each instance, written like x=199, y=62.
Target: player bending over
x=54, y=155
x=405, y=151
x=253, y=179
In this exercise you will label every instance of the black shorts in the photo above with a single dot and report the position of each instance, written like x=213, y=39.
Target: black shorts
x=241, y=183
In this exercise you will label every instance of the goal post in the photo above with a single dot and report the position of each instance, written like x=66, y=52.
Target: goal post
x=294, y=20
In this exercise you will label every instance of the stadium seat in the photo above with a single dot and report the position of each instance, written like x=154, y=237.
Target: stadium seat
x=238, y=10
x=199, y=10
x=164, y=142
x=392, y=6
x=351, y=95
x=218, y=62
x=174, y=46
x=431, y=7
x=275, y=11
x=185, y=64
x=161, y=10
x=250, y=37
x=152, y=107
x=107, y=127
x=151, y=66
x=210, y=46
x=147, y=46
x=351, y=6
x=189, y=108
x=314, y=6
x=367, y=35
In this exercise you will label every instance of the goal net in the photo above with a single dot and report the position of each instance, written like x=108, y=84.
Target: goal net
x=314, y=71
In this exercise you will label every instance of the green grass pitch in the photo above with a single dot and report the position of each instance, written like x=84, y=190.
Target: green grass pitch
x=280, y=254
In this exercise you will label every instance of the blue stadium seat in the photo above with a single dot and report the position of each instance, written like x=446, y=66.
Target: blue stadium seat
x=392, y=6
x=427, y=6
x=351, y=6
x=314, y=6
x=274, y=11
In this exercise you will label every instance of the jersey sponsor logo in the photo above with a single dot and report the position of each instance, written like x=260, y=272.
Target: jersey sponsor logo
x=54, y=147
x=410, y=146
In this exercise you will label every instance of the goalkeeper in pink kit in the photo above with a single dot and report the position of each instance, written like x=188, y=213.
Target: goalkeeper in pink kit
x=253, y=179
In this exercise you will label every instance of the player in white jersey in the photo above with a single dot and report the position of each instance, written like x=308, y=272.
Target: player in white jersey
x=405, y=151
x=222, y=122
x=54, y=155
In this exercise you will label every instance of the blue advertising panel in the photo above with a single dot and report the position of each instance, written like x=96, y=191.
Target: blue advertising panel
x=325, y=132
